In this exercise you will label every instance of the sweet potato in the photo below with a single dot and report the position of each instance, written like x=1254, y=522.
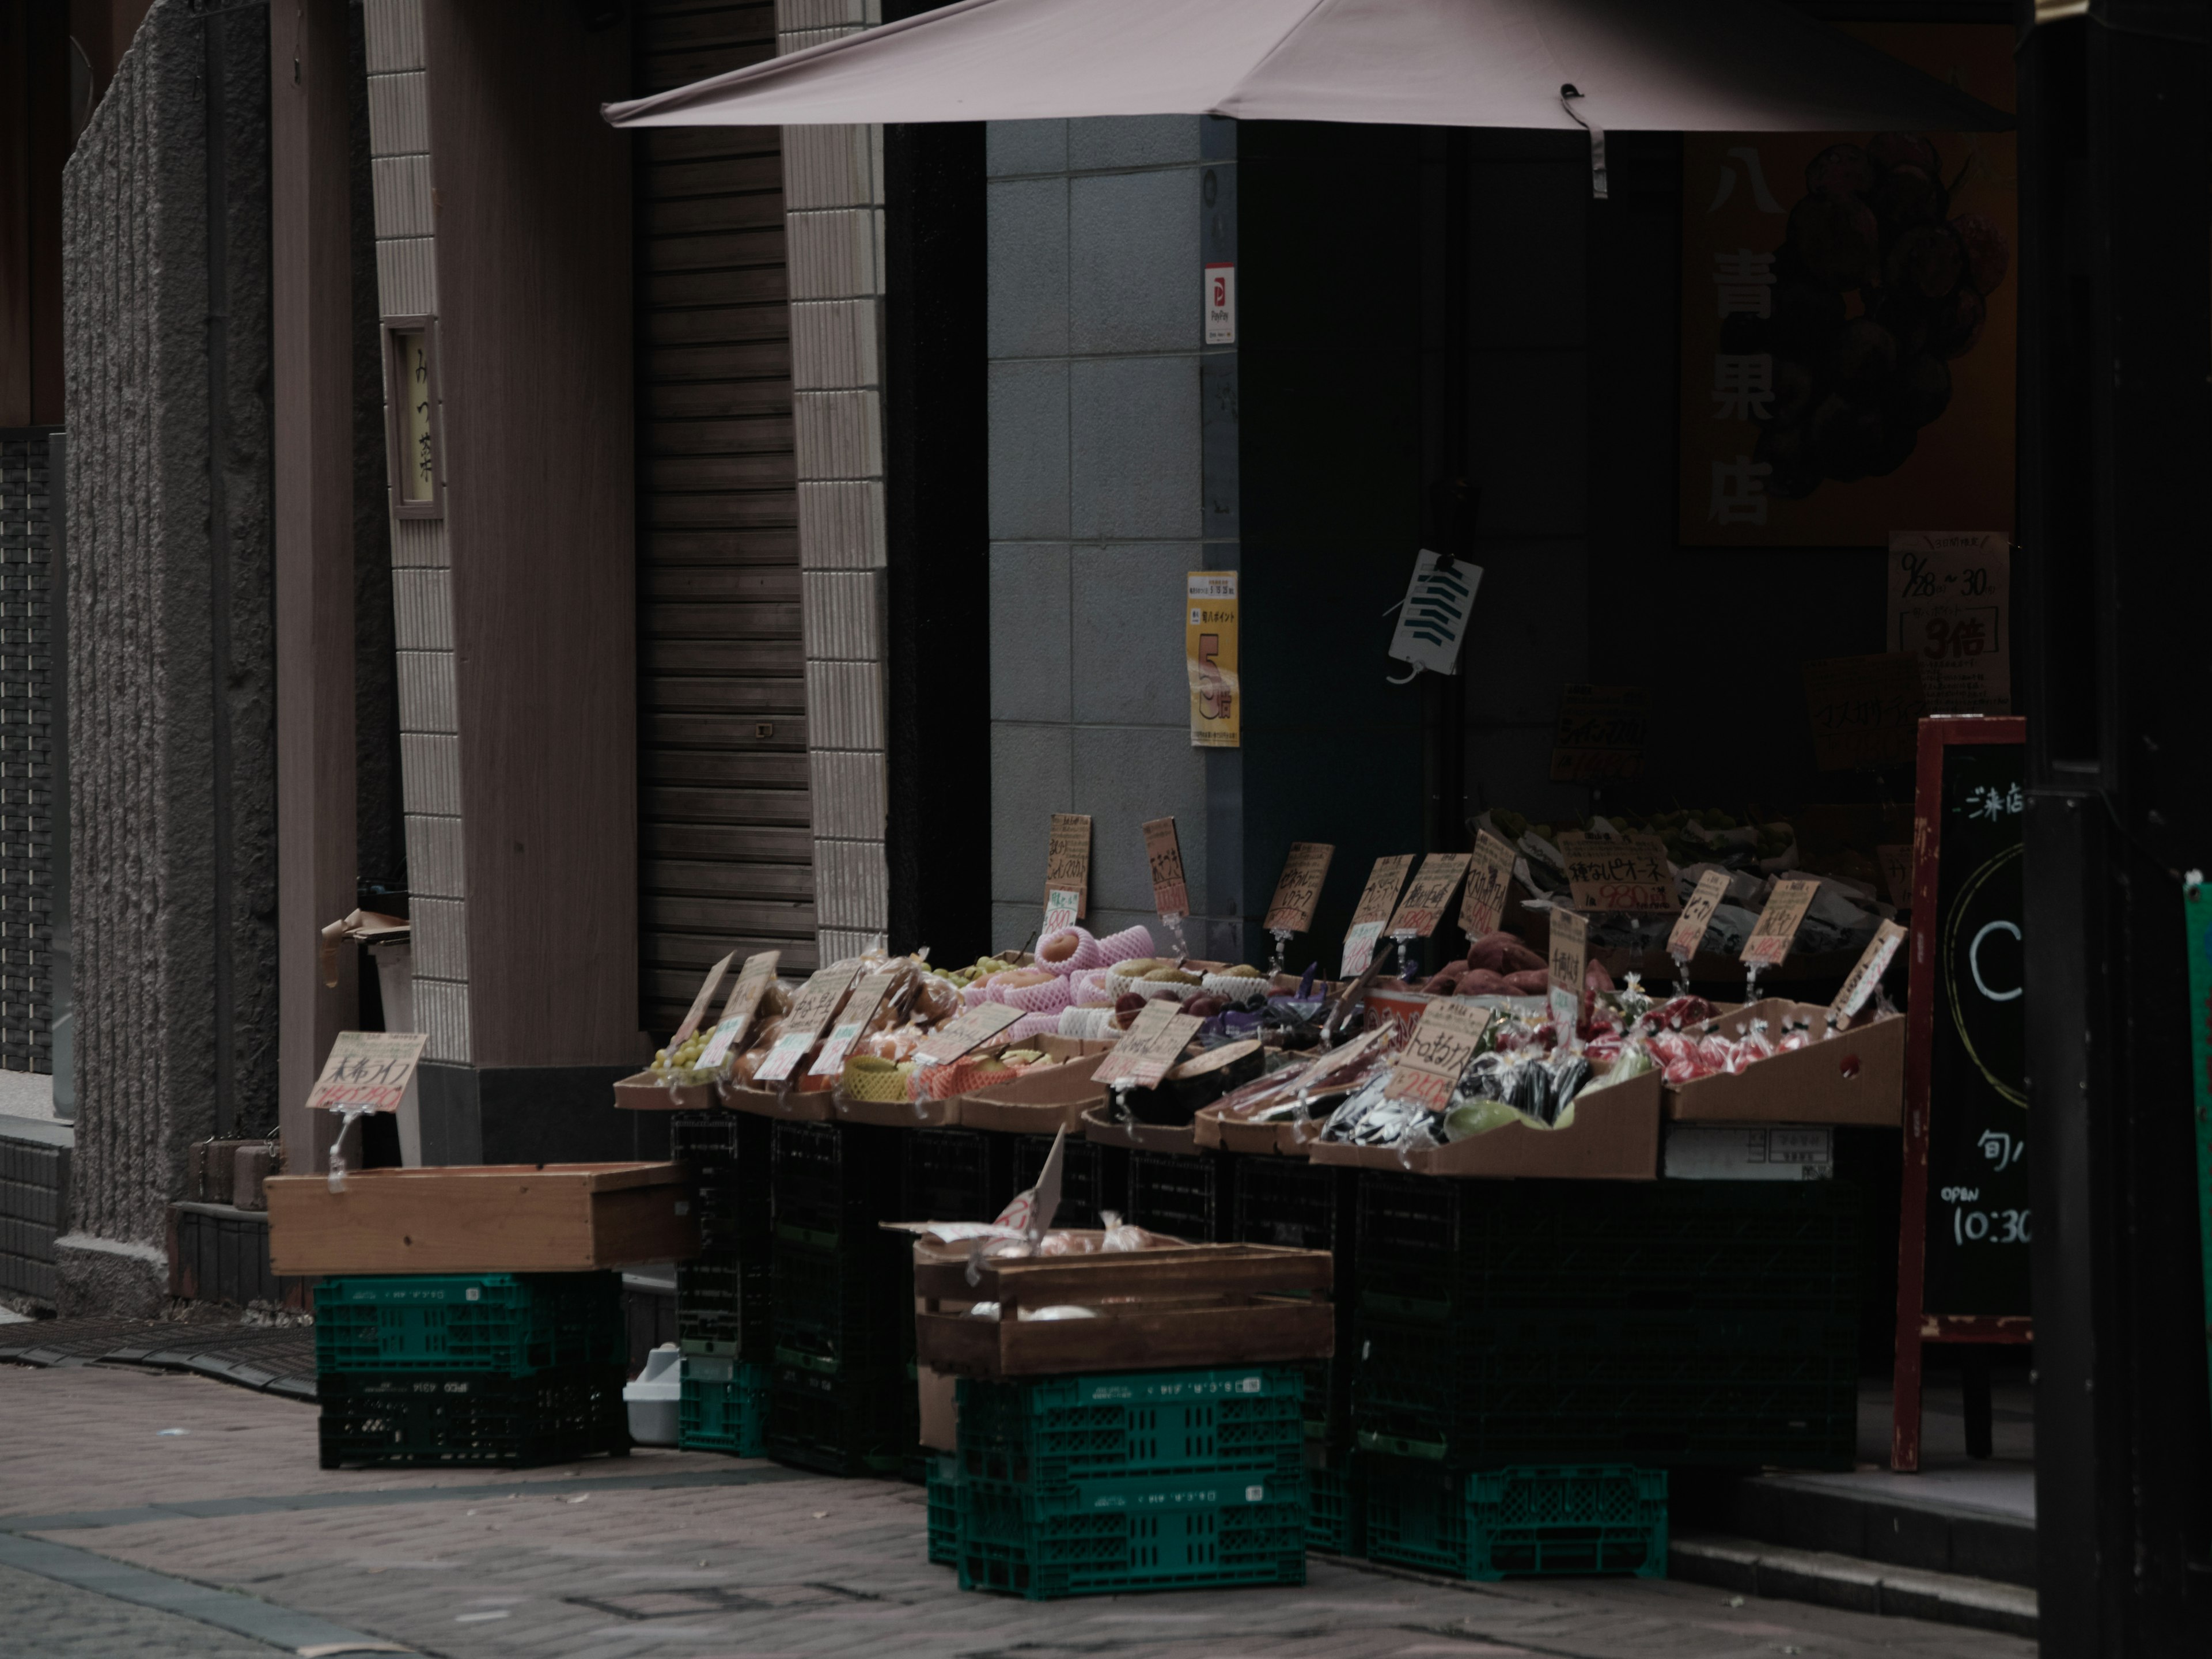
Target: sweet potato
x=1481, y=982
x=1529, y=983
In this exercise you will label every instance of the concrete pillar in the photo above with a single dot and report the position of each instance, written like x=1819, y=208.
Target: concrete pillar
x=170, y=677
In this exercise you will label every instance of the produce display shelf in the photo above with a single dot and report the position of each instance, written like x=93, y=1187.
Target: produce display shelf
x=1189, y=1196
x=419, y=1419
x=723, y=1407
x=954, y=1175
x=850, y=1423
x=1336, y=1520
x=1047, y=1432
x=504, y=1324
x=1093, y=1179
x=1680, y=1244
x=1534, y=1521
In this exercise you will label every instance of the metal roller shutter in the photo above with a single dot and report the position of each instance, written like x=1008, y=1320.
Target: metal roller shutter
x=725, y=823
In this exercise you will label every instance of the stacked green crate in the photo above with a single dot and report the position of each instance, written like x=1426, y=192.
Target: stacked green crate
x=1666, y=1323
x=507, y=1369
x=1520, y=1521
x=945, y=1175
x=722, y=1294
x=841, y=1399
x=1298, y=1205
x=1120, y=1482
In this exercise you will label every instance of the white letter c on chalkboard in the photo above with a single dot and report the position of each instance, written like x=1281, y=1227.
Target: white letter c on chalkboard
x=1974, y=961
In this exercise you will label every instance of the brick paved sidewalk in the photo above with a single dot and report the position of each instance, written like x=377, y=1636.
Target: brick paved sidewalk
x=593, y=1561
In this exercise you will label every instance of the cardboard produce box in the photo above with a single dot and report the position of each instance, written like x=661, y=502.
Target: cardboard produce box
x=1614, y=1136
x=645, y=1091
x=1037, y=1103
x=895, y=1114
x=809, y=1106
x=1100, y=1125
x=1856, y=1076
x=471, y=1219
x=1216, y=1128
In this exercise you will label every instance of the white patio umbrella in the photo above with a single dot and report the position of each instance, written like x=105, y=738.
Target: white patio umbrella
x=1667, y=65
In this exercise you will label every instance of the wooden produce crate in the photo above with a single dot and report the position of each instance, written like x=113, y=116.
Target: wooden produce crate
x=492, y=1217
x=1194, y=1305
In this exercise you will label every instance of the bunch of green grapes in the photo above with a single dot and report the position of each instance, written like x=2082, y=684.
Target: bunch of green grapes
x=684, y=1056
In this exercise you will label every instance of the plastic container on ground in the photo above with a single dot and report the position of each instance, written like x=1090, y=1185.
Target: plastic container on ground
x=725, y=1406
x=502, y=1324
x=422, y=1418
x=652, y=1399
x=1336, y=1522
x=1047, y=1432
x=942, y=1485
x=1534, y=1521
x=1138, y=1532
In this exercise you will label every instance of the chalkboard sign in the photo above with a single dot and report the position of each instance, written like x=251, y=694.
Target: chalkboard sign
x=1963, y=1255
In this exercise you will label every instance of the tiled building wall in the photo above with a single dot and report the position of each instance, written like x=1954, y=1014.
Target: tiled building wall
x=833, y=184
x=422, y=605
x=30, y=501
x=1096, y=477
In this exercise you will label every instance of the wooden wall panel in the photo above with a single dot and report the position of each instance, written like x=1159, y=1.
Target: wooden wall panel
x=533, y=213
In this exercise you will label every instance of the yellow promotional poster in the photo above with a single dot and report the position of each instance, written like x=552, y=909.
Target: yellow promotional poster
x=1209, y=648
x=1849, y=307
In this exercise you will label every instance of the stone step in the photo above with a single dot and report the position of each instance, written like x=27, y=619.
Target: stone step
x=1828, y=1579
x=1893, y=1521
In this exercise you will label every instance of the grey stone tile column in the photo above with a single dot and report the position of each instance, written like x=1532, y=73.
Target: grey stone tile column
x=1102, y=397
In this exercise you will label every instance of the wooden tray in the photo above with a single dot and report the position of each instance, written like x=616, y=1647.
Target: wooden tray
x=1198, y=1305
x=482, y=1218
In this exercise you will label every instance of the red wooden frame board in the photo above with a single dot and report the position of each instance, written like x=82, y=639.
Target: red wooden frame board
x=1915, y=1326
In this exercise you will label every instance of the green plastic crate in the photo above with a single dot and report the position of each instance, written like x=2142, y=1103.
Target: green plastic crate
x=722, y=1407
x=1336, y=1522
x=1047, y=1432
x=1136, y=1534
x=851, y=1424
x=1537, y=1522
x=503, y=1324
x=418, y=1418
x=943, y=1485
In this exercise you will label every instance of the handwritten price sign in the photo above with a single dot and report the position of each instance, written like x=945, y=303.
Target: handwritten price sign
x=1697, y=916
x=1770, y=940
x=1423, y=904
x=1067, y=866
x=1873, y=962
x=1291, y=909
x=1163, y=852
x=1617, y=873
x=1435, y=1056
x=1565, y=966
x=1489, y=873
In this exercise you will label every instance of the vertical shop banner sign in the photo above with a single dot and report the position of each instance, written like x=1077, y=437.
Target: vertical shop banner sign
x=1377, y=901
x=1950, y=606
x=1849, y=318
x=1164, y=853
x=1566, y=962
x=1067, y=870
x=1689, y=929
x=1209, y=648
x=1299, y=890
x=1600, y=733
x=1489, y=874
x=1864, y=711
x=1617, y=874
x=1429, y=895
